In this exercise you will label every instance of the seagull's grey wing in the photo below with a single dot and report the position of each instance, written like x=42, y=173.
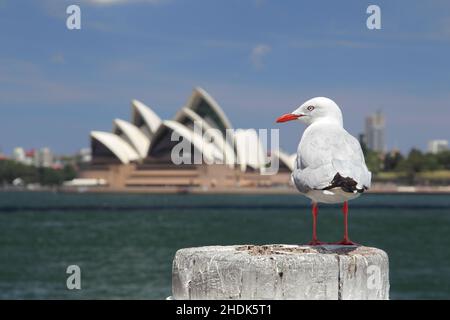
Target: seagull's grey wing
x=352, y=163
x=298, y=176
x=324, y=153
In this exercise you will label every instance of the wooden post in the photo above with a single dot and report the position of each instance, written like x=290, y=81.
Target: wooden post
x=328, y=272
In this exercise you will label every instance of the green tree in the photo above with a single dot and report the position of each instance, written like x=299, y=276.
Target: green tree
x=10, y=170
x=431, y=162
x=69, y=172
x=373, y=161
x=415, y=161
x=392, y=161
x=443, y=159
x=50, y=177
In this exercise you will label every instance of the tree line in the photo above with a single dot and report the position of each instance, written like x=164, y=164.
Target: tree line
x=416, y=161
x=10, y=170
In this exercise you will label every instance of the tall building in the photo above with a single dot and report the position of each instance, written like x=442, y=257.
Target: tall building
x=436, y=146
x=43, y=158
x=375, y=132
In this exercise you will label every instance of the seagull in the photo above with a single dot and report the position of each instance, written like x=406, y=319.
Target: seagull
x=330, y=165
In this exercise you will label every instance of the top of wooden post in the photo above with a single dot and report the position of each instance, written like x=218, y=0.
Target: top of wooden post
x=280, y=272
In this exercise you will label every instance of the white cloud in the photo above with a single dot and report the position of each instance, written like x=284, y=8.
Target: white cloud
x=258, y=53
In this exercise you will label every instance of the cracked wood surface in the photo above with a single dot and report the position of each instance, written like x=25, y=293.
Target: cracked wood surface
x=280, y=272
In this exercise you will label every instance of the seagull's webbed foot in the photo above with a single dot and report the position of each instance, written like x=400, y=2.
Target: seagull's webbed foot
x=316, y=243
x=346, y=242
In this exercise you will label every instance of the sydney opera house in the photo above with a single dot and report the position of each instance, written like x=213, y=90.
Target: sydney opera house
x=136, y=155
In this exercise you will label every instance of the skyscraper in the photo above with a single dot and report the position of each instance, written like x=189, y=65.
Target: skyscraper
x=43, y=158
x=374, y=133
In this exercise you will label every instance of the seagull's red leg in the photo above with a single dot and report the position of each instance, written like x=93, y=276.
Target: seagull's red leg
x=345, y=211
x=346, y=241
x=315, y=212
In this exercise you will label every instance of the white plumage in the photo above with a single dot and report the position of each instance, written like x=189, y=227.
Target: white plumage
x=326, y=149
x=330, y=166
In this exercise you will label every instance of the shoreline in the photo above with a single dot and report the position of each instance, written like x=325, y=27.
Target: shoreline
x=231, y=191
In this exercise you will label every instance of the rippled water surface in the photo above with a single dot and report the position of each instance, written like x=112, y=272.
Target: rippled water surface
x=124, y=244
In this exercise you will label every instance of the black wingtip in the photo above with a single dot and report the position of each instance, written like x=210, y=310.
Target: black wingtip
x=347, y=184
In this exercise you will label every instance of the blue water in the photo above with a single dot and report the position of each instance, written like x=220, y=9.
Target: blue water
x=125, y=244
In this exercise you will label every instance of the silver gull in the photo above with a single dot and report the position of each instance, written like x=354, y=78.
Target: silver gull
x=330, y=166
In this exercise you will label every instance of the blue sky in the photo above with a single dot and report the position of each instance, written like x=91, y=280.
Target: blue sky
x=258, y=58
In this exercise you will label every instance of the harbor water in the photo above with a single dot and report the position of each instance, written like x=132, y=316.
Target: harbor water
x=124, y=244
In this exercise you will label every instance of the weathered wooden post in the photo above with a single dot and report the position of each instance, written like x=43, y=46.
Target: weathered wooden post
x=280, y=272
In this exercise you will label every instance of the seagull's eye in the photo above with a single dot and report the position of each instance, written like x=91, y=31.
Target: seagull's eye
x=310, y=108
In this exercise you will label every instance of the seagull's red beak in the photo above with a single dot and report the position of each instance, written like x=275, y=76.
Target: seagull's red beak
x=288, y=117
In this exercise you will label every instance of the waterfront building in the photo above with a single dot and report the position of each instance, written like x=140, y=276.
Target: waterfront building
x=375, y=132
x=137, y=154
x=43, y=158
x=19, y=155
x=436, y=146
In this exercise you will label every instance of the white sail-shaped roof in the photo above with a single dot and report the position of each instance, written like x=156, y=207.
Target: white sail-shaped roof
x=286, y=159
x=188, y=117
x=187, y=114
x=144, y=118
x=208, y=109
x=121, y=149
x=209, y=151
x=293, y=159
x=129, y=132
x=249, y=149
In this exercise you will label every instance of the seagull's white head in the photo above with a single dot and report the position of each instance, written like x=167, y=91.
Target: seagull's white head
x=315, y=109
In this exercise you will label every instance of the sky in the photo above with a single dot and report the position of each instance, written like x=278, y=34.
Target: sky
x=258, y=58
